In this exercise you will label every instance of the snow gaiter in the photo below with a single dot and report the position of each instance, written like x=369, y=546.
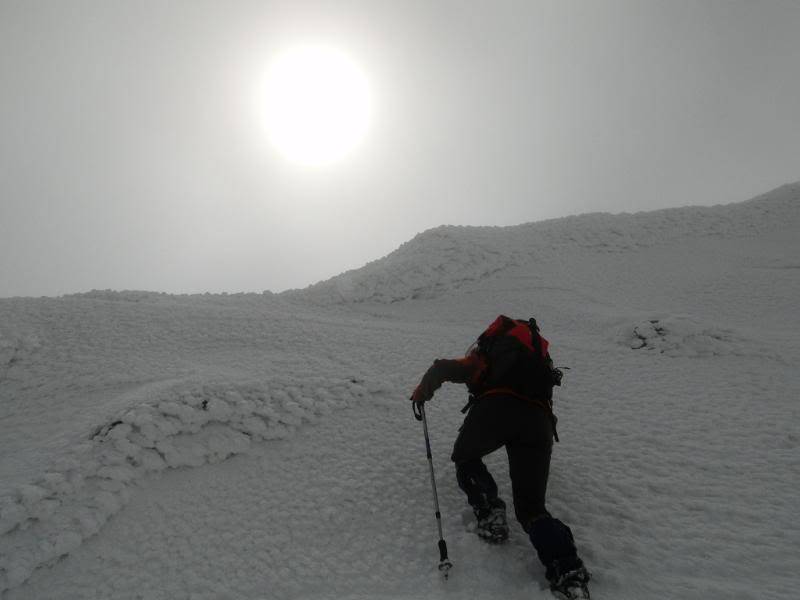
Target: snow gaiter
x=555, y=546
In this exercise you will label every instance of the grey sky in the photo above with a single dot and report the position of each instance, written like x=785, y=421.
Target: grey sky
x=131, y=156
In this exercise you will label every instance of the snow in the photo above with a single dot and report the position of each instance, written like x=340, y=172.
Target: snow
x=262, y=446
x=681, y=335
x=198, y=425
x=447, y=257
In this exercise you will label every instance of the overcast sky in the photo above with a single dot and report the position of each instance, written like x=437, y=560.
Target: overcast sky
x=131, y=156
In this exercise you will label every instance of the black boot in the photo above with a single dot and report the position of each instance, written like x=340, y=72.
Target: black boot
x=492, y=523
x=569, y=580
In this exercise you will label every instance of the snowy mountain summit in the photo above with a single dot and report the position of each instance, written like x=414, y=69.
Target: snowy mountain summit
x=262, y=446
x=445, y=258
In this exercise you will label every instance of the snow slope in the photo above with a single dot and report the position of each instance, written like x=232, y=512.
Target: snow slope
x=261, y=446
x=444, y=258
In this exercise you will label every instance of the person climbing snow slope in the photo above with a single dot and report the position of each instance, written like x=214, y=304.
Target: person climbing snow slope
x=510, y=377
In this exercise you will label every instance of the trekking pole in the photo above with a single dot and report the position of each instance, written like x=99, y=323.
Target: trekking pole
x=444, y=563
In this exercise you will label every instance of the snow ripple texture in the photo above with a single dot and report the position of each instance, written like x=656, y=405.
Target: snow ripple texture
x=185, y=425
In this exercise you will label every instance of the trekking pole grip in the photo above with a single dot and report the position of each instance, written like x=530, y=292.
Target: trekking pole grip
x=417, y=408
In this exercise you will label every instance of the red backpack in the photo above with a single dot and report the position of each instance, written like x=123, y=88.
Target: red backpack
x=518, y=361
x=525, y=332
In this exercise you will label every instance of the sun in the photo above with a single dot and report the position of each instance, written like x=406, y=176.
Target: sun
x=315, y=104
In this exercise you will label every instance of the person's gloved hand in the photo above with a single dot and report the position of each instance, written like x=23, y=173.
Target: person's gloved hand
x=421, y=395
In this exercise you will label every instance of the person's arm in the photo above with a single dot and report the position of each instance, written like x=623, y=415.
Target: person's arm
x=459, y=370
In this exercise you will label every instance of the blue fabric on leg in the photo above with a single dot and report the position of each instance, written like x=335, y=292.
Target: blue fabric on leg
x=555, y=546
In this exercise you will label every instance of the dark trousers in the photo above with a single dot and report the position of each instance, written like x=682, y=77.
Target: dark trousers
x=525, y=429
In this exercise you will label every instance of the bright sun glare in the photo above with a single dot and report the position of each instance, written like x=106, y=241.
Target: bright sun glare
x=316, y=104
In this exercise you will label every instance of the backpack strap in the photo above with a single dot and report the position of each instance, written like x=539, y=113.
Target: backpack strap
x=536, y=340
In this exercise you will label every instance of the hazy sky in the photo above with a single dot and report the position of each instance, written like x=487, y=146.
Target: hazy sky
x=132, y=157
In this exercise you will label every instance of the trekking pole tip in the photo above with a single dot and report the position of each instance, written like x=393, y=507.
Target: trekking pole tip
x=444, y=562
x=444, y=568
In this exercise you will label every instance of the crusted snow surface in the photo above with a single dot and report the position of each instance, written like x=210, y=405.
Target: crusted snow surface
x=100, y=390
x=186, y=425
x=262, y=446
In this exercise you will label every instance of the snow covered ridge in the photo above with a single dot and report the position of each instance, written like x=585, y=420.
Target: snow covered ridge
x=446, y=257
x=188, y=424
x=155, y=297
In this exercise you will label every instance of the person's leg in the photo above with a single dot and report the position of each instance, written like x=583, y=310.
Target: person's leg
x=477, y=483
x=529, y=465
x=556, y=549
x=483, y=432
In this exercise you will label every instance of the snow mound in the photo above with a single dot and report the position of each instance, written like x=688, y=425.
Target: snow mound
x=431, y=263
x=445, y=258
x=681, y=335
x=185, y=425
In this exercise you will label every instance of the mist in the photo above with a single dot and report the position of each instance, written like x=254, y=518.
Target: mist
x=131, y=155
